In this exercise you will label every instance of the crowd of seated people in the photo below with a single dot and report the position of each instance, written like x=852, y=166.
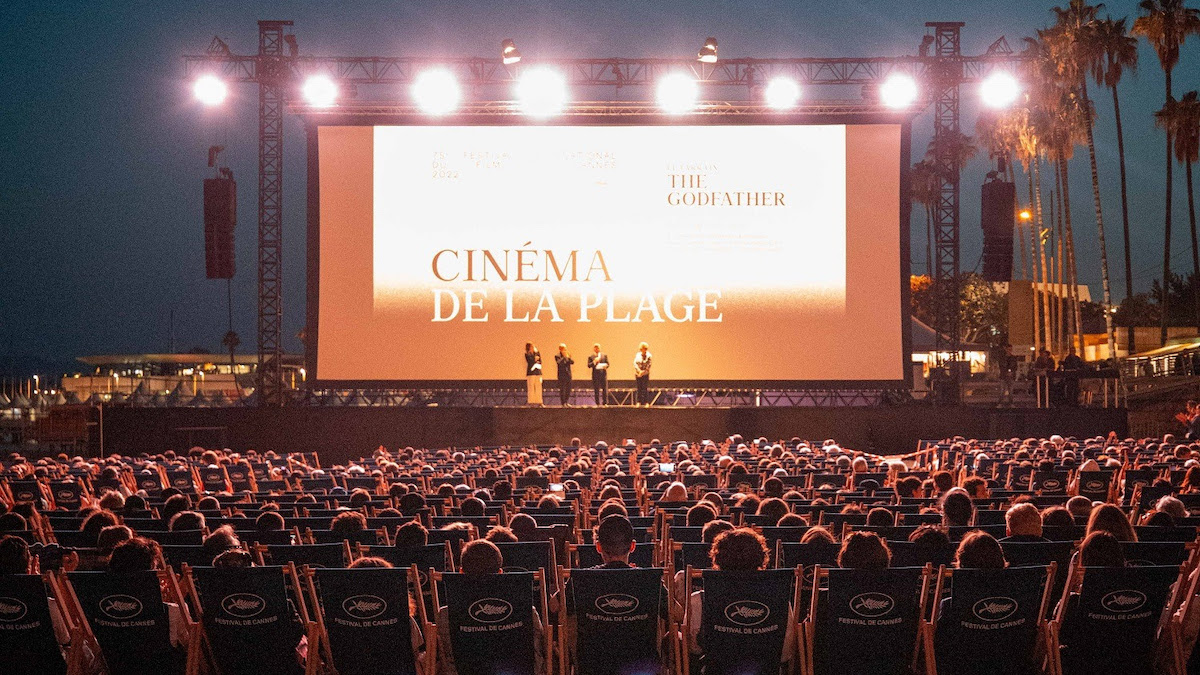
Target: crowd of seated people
x=682, y=508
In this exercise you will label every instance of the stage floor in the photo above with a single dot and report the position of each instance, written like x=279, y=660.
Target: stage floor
x=343, y=433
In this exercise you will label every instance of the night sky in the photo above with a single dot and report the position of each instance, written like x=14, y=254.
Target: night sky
x=104, y=149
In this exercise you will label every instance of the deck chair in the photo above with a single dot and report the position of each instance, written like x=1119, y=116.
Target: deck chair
x=992, y=621
x=427, y=559
x=587, y=556
x=492, y=625
x=1151, y=553
x=249, y=625
x=914, y=554
x=27, y=637
x=617, y=628
x=744, y=620
x=528, y=556
x=1110, y=626
x=125, y=613
x=868, y=621
x=313, y=555
x=363, y=621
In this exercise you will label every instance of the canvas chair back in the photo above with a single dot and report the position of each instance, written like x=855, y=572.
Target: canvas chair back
x=491, y=620
x=1110, y=626
x=616, y=619
x=868, y=622
x=364, y=614
x=126, y=613
x=744, y=620
x=314, y=555
x=27, y=638
x=249, y=623
x=991, y=621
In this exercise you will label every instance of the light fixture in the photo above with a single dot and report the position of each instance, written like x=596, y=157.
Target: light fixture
x=999, y=90
x=436, y=92
x=677, y=93
x=210, y=90
x=541, y=92
x=1024, y=214
x=509, y=54
x=320, y=91
x=782, y=93
x=708, y=53
x=898, y=91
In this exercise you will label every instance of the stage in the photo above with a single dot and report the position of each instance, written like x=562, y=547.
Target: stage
x=343, y=433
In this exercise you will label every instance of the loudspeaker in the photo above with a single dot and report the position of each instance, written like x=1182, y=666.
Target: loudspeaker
x=220, y=219
x=997, y=217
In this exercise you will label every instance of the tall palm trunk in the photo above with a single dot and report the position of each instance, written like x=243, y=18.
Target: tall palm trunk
x=1195, y=247
x=1072, y=269
x=1041, y=251
x=1124, y=202
x=1091, y=145
x=1033, y=249
x=1165, y=303
x=1061, y=322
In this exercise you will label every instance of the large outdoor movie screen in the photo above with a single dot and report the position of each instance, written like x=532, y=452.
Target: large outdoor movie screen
x=765, y=252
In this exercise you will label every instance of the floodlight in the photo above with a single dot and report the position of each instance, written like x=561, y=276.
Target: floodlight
x=708, y=53
x=1024, y=214
x=898, y=91
x=436, y=92
x=677, y=93
x=210, y=90
x=509, y=54
x=542, y=92
x=999, y=90
x=782, y=93
x=320, y=91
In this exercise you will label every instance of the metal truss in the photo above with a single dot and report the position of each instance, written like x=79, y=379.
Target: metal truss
x=603, y=108
x=273, y=81
x=582, y=397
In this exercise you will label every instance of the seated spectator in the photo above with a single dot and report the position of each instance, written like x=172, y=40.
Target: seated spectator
x=1023, y=523
x=472, y=508
x=942, y=482
x=93, y=524
x=15, y=559
x=1079, y=506
x=791, y=520
x=1109, y=518
x=208, y=503
x=1156, y=518
x=141, y=555
x=1101, y=549
x=501, y=535
x=700, y=514
x=880, y=517
x=109, y=538
x=772, y=509
x=174, y=504
x=612, y=507
x=269, y=521
x=864, y=551
x=112, y=500
x=1057, y=517
x=1173, y=507
x=524, y=526
x=13, y=522
x=979, y=549
x=817, y=533
x=957, y=509
x=220, y=540
x=348, y=524
x=977, y=488
x=411, y=535
x=675, y=492
x=186, y=521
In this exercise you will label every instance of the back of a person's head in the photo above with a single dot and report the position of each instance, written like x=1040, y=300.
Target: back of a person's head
x=411, y=535
x=772, y=509
x=612, y=507
x=97, y=521
x=481, y=556
x=524, y=526
x=1079, y=506
x=13, y=522
x=359, y=497
x=1109, y=518
x=220, y=540
x=1057, y=516
x=1173, y=507
x=739, y=549
x=174, y=504
x=501, y=535
x=1158, y=518
x=269, y=521
x=186, y=520
x=111, y=536
x=880, y=517
x=675, y=492
x=817, y=534
x=713, y=529
x=864, y=551
x=14, y=555
x=791, y=520
x=772, y=487
x=208, y=503
x=135, y=555
x=112, y=501
x=472, y=507
x=930, y=537
x=348, y=522
x=979, y=549
x=1101, y=549
x=614, y=536
x=700, y=514
x=370, y=562
x=943, y=480
x=957, y=508
x=411, y=503
x=1023, y=520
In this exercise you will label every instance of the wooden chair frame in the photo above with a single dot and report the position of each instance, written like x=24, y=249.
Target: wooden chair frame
x=685, y=631
x=548, y=633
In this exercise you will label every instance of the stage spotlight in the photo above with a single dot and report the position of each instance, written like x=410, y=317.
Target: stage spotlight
x=677, y=93
x=210, y=90
x=898, y=91
x=541, y=92
x=708, y=53
x=1025, y=214
x=436, y=92
x=320, y=91
x=509, y=54
x=999, y=90
x=782, y=93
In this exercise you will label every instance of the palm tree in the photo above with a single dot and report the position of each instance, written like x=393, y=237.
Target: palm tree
x=1166, y=24
x=1080, y=52
x=1181, y=119
x=926, y=188
x=1120, y=54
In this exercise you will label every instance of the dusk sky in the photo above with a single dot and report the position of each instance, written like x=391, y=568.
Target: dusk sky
x=104, y=149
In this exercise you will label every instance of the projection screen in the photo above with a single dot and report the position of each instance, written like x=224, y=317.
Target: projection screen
x=769, y=253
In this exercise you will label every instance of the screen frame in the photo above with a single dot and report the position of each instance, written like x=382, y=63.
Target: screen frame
x=313, y=121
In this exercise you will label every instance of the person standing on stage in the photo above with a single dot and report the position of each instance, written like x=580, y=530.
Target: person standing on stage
x=641, y=374
x=533, y=375
x=564, y=361
x=598, y=363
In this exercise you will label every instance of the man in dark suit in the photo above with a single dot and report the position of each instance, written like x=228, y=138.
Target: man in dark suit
x=598, y=363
